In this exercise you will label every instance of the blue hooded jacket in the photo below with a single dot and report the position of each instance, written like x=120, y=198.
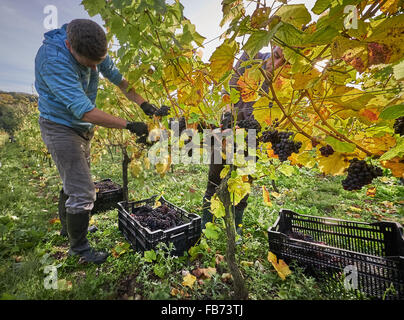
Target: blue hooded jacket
x=66, y=88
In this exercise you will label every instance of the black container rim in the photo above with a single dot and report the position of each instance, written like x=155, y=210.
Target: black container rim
x=398, y=225
x=319, y=245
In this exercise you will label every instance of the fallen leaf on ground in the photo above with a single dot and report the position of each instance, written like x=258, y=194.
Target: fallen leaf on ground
x=219, y=258
x=64, y=285
x=356, y=209
x=189, y=280
x=204, y=273
x=281, y=267
x=54, y=220
x=371, y=192
x=227, y=277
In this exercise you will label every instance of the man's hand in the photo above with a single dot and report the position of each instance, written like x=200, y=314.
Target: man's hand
x=138, y=128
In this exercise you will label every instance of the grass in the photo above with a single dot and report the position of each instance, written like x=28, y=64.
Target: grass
x=30, y=240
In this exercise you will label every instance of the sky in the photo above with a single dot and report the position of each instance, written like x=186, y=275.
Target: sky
x=22, y=28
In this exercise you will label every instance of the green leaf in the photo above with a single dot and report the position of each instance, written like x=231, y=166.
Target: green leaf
x=289, y=34
x=295, y=14
x=234, y=95
x=321, y=6
x=159, y=270
x=211, y=231
x=398, y=70
x=321, y=36
x=340, y=146
x=392, y=112
x=150, y=255
x=256, y=41
x=93, y=7
x=286, y=169
x=397, y=151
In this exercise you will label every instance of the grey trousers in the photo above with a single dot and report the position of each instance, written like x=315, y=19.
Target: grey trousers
x=70, y=150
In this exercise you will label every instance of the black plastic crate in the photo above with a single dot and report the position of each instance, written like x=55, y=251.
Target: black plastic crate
x=375, y=249
x=107, y=200
x=183, y=237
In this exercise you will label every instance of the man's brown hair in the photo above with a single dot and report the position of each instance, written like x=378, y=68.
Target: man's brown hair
x=87, y=38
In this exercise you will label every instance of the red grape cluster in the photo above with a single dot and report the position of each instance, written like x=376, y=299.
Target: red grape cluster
x=360, y=174
x=282, y=145
x=161, y=218
x=326, y=151
x=249, y=124
x=399, y=126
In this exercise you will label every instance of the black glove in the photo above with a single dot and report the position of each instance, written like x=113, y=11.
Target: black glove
x=148, y=109
x=138, y=128
x=163, y=111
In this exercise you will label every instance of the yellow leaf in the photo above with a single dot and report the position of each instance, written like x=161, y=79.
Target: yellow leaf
x=249, y=84
x=371, y=192
x=391, y=6
x=224, y=172
x=189, y=280
x=217, y=208
x=334, y=164
x=356, y=209
x=238, y=188
x=378, y=145
x=396, y=165
x=305, y=80
x=265, y=195
x=276, y=194
x=53, y=221
x=222, y=59
x=265, y=114
x=281, y=267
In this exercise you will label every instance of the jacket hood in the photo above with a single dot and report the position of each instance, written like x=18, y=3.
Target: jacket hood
x=56, y=37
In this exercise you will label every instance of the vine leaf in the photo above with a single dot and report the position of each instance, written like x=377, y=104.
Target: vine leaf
x=265, y=195
x=396, y=165
x=295, y=14
x=281, y=267
x=222, y=59
x=189, y=280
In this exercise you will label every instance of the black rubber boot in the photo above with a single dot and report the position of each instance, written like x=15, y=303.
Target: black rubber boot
x=238, y=219
x=62, y=212
x=62, y=215
x=206, y=213
x=77, y=225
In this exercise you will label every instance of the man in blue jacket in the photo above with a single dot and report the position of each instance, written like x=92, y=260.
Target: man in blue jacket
x=67, y=69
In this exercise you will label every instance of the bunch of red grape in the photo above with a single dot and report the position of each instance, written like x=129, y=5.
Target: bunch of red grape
x=249, y=124
x=360, y=174
x=161, y=218
x=326, y=151
x=282, y=145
